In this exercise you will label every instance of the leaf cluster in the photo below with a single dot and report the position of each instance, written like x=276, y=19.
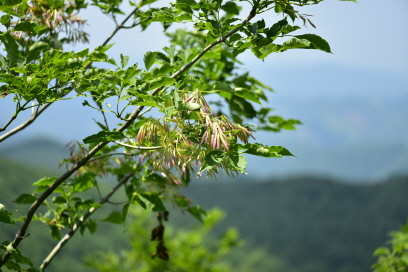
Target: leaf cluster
x=395, y=257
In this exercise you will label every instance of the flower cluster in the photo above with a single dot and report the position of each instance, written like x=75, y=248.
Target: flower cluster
x=58, y=17
x=185, y=142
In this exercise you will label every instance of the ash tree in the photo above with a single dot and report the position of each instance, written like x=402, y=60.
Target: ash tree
x=209, y=107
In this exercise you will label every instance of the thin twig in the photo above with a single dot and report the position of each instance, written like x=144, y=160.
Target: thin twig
x=146, y=110
x=9, y=122
x=78, y=224
x=25, y=124
x=118, y=27
x=112, y=154
x=135, y=114
x=139, y=147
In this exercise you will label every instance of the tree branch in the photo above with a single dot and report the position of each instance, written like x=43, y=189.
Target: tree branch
x=9, y=122
x=118, y=27
x=25, y=124
x=33, y=117
x=78, y=224
x=208, y=48
x=98, y=147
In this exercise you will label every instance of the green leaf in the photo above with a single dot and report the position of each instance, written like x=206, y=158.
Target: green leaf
x=125, y=210
x=281, y=123
x=26, y=26
x=55, y=232
x=5, y=20
x=212, y=159
x=12, y=2
x=382, y=251
x=10, y=248
x=223, y=89
x=247, y=94
x=6, y=216
x=83, y=182
x=231, y=7
x=235, y=37
x=124, y=60
x=253, y=28
x=103, y=48
x=85, y=204
x=261, y=24
x=45, y=181
x=159, y=82
x=91, y=224
x=276, y=28
x=149, y=59
x=59, y=200
x=145, y=100
x=295, y=43
x=317, y=42
x=266, y=50
x=114, y=217
x=100, y=125
x=306, y=41
x=149, y=201
x=289, y=28
x=21, y=259
x=104, y=136
x=146, y=2
x=211, y=55
x=25, y=199
x=242, y=107
x=188, y=106
x=264, y=150
x=197, y=212
x=237, y=162
x=222, y=86
x=73, y=63
x=83, y=53
x=278, y=8
x=12, y=50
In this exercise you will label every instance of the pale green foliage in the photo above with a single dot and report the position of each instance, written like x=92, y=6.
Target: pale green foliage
x=190, y=250
x=395, y=257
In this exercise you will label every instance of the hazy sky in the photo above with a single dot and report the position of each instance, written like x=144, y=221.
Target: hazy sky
x=369, y=60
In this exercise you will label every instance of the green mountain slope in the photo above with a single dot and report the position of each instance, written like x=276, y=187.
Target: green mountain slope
x=314, y=224
x=38, y=152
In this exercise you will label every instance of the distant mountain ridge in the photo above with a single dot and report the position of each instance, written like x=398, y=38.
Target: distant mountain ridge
x=40, y=152
x=355, y=164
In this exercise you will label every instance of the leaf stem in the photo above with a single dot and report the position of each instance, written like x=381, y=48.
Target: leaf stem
x=139, y=147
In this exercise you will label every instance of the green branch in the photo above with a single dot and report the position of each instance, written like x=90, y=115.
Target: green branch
x=78, y=224
x=43, y=108
x=29, y=216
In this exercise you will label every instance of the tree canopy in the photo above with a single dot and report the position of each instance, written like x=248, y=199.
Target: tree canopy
x=188, y=110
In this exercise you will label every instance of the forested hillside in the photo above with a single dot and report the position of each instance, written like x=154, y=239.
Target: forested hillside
x=315, y=224
x=312, y=224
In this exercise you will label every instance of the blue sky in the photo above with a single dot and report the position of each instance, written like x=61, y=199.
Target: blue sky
x=368, y=66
